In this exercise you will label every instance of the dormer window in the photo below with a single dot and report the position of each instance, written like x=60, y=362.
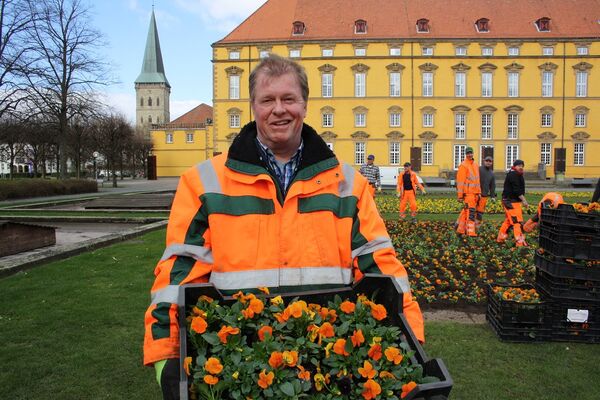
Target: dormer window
x=543, y=24
x=482, y=25
x=298, y=28
x=360, y=26
x=423, y=25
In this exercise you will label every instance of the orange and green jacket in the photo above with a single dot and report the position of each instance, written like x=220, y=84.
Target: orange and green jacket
x=229, y=225
x=467, y=179
x=413, y=179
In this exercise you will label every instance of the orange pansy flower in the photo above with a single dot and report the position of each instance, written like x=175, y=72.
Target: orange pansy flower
x=406, y=389
x=213, y=366
x=367, y=370
x=264, y=330
x=264, y=289
x=206, y=298
x=256, y=305
x=303, y=374
x=340, y=347
x=378, y=312
x=265, y=380
x=295, y=309
x=187, y=362
x=375, y=352
x=276, y=359
x=326, y=330
x=226, y=331
x=199, y=325
x=386, y=375
x=393, y=355
x=210, y=380
x=357, y=338
x=347, y=307
x=371, y=389
x=290, y=358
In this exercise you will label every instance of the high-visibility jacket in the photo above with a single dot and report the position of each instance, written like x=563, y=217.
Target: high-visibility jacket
x=467, y=178
x=230, y=225
x=413, y=180
x=550, y=200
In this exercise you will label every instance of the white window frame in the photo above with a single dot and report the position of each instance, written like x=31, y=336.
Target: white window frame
x=460, y=126
x=360, y=84
x=427, y=86
x=427, y=51
x=234, y=55
x=583, y=51
x=487, y=51
x=513, y=125
x=460, y=84
x=514, y=51
x=234, y=87
x=189, y=137
x=395, y=84
x=394, y=148
x=327, y=120
x=360, y=51
x=234, y=120
x=360, y=119
x=547, y=83
x=580, y=120
x=263, y=54
x=546, y=121
x=487, y=120
x=427, y=153
x=512, y=154
x=395, y=119
x=547, y=51
x=513, y=84
x=578, y=154
x=295, y=53
x=460, y=51
x=428, y=120
x=582, y=84
x=169, y=138
x=458, y=155
x=395, y=51
x=546, y=153
x=359, y=153
x=326, y=52
x=487, y=82
x=327, y=85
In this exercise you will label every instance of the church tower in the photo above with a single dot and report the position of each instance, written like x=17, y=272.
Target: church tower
x=152, y=88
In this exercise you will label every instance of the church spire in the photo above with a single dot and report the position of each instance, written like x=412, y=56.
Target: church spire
x=153, y=70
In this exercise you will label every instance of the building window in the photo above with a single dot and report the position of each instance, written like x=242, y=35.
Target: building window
x=423, y=25
x=360, y=26
x=513, y=126
x=327, y=85
x=513, y=51
x=394, y=84
x=234, y=55
x=234, y=87
x=149, y=101
x=427, y=84
x=546, y=120
x=360, y=51
x=486, y=126
x=169, y=138
x=582, y=51
x=580, y=120
x=150, y=119
x=579, y=154
x=327, y=53
x=395, y=51
x=486, y=84
x=263, y=54
x=294, y=53
x=157, y=102
x=426, y=51
x=427, y=120
x=460, y=126
x=327, y=120
x=234, y=120
x=158, y=120
x=512, y=154
x=298, y=28
x=543, y=24
x=459, y=154
x=581, y=89
x=513, y=84
x=460, y=83
x=547, y=84
x=482, y=25
x=359, y=153
x=548, y=51
x=189, y=138
x=460, y=50
x=394, y=153
x=141, y=102
x=487, y=51
x=395, y=119
x=546, y=153
x=427, y=153
x=360, y=84
x=360, y=120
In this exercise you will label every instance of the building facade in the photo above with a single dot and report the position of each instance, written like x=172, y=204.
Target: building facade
x=410, y=80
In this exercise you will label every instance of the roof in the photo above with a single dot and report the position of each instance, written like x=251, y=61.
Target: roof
x=153, y=69
x=396, y=19
x=195, y=117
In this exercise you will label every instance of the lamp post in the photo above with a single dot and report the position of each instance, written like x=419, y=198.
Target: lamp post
x=96, y=154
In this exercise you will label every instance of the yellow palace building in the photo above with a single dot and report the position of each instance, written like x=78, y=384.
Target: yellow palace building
x=419, y=80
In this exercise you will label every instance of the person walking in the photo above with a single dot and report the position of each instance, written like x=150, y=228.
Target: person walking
x=513, y=198
x=371, y=172
x=488, y=188
x=408, y=182
x=268, y=214
x=468, y=190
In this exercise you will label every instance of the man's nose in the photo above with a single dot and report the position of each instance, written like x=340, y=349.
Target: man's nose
x=278, y=108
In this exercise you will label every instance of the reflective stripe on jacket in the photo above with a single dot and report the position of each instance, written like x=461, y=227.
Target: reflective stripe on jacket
x=229, y=225
x=467, y=178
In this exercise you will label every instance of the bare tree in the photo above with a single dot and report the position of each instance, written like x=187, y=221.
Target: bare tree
x=11, y=137
x=111, y=134
x=40, y=138
x=66, y=65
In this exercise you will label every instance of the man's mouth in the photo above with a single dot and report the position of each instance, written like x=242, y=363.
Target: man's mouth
x=280, y=123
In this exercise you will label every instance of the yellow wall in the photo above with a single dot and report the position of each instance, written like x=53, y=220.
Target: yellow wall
x=377, y=99
x=174, y=158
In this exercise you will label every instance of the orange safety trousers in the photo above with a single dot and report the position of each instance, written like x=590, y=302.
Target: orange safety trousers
x=466, y=219
x=408, y=196
x=514, y=218
x=372, y=190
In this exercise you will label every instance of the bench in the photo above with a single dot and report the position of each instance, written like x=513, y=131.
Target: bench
x=582, y=182
x=435, y=181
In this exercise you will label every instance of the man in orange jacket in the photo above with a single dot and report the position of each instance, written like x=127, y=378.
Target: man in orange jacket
x=408, y=182
x=468, y=190
x=279, y=210
x=550, y=200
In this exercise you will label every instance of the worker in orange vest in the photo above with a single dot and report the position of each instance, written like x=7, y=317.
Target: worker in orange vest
x=468, y=190
x=513, y=198
x=407, y=191
x=550, y=200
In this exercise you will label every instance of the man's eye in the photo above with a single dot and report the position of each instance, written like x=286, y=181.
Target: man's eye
x=289, y=100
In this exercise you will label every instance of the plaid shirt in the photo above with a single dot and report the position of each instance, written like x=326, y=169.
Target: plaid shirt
x=283, y=172
x=371, y=172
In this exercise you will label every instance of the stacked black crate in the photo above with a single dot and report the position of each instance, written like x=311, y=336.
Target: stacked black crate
x=568, y=272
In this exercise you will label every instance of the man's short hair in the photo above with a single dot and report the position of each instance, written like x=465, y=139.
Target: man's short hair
x=519, y=162
x=488, y=158
x=274, y=66
x=371, y=157
x=407, y=164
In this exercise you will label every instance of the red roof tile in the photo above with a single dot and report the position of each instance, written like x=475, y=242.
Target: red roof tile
x=197, y=115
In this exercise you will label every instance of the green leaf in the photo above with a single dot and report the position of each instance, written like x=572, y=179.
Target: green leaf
x=287, y=389
x=343, y=329
x=211, y=338
x=236, y=358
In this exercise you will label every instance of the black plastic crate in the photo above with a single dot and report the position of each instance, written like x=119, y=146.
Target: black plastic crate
x=568, y=268
x=568, y=242
x=565, y=215
x=567, y=288
x=519, y=334
x=575, y=321
x=382, y=288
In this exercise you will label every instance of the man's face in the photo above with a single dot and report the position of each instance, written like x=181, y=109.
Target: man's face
x=406, y=168
x=279, y=111
x=370, y=161
x=469, y=156
x=488, y=163
x=519, y=168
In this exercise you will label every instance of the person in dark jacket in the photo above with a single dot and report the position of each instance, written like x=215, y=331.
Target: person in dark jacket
x=487, y=180
x=596, y=195
x=513, y=198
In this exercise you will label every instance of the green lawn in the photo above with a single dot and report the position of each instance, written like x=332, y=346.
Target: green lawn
x=73, y=330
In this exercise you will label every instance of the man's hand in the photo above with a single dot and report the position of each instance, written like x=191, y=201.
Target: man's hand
x=379, y=189
x=167, y=375
x=525, y=203
x=399, y=195
x=423, y=191
x=460, y=199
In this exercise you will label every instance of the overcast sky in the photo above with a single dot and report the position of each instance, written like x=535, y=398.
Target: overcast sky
x=186, y=28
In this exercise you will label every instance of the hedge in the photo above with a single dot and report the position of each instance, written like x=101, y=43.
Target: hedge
x=24, y=188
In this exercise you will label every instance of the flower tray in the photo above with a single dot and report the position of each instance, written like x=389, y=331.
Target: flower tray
x=570, y=242
x=566, y=216
x=383, y=289
x=567, y=288
x=568, y=268
x=575, y=321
